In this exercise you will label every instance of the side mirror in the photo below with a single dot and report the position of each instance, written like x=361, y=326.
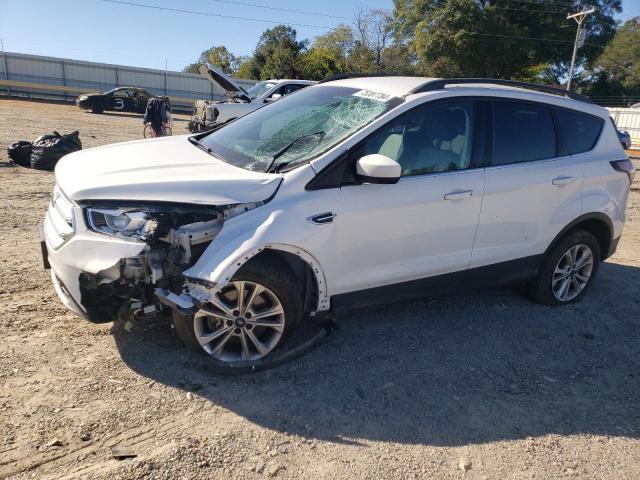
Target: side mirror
x=274, y=97
x=376, y=168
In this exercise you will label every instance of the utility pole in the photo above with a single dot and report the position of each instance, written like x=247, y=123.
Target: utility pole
x=579, y=41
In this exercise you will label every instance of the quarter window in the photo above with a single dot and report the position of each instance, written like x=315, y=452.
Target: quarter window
x=522, y=133
x=580, y=132
x=431, y=138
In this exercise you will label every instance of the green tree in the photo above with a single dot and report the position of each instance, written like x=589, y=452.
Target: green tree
x=620, y=60
x=276, y=53
x=338, y=40
x=328, y=54
x=248, y=70
x=218, y=56
x=318, y=63
x=496, y=38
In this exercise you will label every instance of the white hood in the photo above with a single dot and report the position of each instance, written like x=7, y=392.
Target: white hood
x=168, y=169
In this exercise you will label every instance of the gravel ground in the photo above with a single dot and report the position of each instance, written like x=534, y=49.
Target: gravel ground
x=474, y=386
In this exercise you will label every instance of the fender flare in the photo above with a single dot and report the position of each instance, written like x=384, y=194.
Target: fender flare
x=587, y=216
x=318, y=273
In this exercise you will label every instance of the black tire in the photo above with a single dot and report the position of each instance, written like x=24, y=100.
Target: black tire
x=541, y=288
x=278, y=278
x=97, y=108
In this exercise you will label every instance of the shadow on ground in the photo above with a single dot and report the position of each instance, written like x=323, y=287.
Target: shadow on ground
x=460, y=370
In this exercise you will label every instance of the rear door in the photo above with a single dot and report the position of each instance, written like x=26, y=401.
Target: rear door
x=532, y=189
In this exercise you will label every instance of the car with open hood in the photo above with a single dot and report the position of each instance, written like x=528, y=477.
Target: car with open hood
x=122, y=99
x=354, y=192
x=237, y=101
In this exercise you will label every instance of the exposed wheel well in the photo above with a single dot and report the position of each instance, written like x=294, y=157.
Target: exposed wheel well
x=298, y=268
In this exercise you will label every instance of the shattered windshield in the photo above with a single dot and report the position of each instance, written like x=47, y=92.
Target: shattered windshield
x=259, y=89
x=298, y=127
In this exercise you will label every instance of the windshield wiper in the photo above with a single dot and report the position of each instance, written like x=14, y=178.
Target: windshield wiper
x=284, y=149
x=205, y=148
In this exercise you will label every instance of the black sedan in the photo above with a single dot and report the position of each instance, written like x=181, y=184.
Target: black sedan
x=123, y=99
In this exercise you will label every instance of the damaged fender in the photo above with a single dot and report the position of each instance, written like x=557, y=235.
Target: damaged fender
x=245, y=237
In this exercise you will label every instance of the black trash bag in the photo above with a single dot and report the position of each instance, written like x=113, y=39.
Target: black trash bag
x=48, y=149
x=20, y=152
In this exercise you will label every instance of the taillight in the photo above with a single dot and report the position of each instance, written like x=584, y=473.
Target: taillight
x=625, y=166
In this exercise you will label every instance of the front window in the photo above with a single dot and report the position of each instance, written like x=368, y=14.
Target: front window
x=259, y=89
x=297, y=128
x=123, y=93
x=431, y=138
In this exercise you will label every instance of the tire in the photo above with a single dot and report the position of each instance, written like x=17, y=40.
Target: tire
x=95, y=108
x=280, y=282
x=147, y=131
x=548, y=287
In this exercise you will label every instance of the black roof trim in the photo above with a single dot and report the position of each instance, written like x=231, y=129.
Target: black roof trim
x=442, y=83
x=344, y=76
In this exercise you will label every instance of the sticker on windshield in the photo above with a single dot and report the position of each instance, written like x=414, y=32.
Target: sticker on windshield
x=380, y=97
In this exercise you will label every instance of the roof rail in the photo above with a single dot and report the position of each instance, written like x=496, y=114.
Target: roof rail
x=344, y=76
x=442, y=83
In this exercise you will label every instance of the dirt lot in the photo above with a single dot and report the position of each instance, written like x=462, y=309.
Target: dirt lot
x=475, y=386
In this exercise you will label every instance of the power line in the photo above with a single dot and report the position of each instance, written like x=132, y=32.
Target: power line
x=268, y=7
x=219, y=15
x=547, y=4
x=534, y=10
x=519, y=37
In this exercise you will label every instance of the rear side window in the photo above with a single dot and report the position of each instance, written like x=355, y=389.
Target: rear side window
x=522, y=132
x=579, y=131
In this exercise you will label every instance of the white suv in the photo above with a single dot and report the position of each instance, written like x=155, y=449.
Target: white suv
x=354, y=192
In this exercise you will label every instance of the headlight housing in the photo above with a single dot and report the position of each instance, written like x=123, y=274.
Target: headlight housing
x=132, y=224
x=149, y=222
x=82, y=98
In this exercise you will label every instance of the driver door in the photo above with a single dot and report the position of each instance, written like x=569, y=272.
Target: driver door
x=121, y=101
x=417, y=234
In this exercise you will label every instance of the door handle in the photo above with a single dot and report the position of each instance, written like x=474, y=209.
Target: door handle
x=458, y=195
x=562, y=180
x=322, y=218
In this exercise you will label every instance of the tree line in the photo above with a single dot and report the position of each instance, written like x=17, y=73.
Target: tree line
x=528, y=40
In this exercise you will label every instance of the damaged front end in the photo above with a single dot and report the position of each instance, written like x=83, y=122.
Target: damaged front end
x=200, y=121
x=172, y=238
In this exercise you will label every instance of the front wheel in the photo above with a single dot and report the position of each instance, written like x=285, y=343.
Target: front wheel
x=148, y=131
x=247, y=321
x=97, y=108
x=568, y=270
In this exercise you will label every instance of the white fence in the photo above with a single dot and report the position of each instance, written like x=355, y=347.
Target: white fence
x=65, y=79
x=628, y=119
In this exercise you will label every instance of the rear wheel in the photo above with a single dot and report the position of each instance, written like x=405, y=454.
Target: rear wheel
x=568, y=270
x=247, y=321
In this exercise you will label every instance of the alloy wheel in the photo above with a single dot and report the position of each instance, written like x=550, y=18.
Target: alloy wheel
x=243, y=322
x=572, y=273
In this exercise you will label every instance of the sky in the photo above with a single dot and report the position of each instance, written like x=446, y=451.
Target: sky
x=113, y=32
